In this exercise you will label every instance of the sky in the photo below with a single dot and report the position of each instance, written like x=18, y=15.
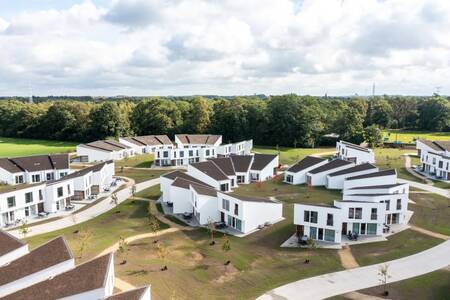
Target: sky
x=221, y=47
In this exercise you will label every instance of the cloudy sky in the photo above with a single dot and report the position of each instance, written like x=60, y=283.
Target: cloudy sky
x=185, y=47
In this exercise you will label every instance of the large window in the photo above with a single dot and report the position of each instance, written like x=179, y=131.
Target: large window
x=310, y=216
x=236, y=209
x=36, y=178
x=329, y=235
x=351, y=213
x=19, y=179
x=373, y=214
x=330, y=220
x=306, y=216
x=226, y=204
x=60, y=191
x=399, y=204
x=371, y=228
x=313, y=232
x=11, y=201
x=28, y=197
x=289, y=178
x=358, y=213
x=50, y=176
x=224, y=187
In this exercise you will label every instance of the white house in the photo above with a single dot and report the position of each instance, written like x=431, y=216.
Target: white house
x=11, y=248
x=166, y=181
x=91, y=280
x=434, y=158
x=41, y=263
x=205, y=204
x=227, y=166
x=20, y=202
x=246, y=214
x=354, y=153
x=58, y=194
x=374, y=178
x=103, y=151
x=33, y=169
x=296, y=174
x=242, y=165
x=102, y=176
x=82, y=183
x=147, y=143
x=239, y=148
x=264, y=167
x=197, y=140
x=209, y=173
x=318, y=175
x=335, y=180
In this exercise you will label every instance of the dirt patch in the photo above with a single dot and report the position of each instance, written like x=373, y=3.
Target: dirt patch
x=348, y=261
x=229, y=273
x=196, y=256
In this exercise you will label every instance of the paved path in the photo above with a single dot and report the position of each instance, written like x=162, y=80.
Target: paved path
x=426, y=187
x=338, y=283
x=85, y=215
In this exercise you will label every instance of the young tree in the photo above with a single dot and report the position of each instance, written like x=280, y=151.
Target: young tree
x=226, y=247
x=211, y=230
x=123, y=250
x=133, y=190
x=162, y=252
x=114, y=199
x=383, y=277
x=152, y=220
x=24, y=228
x=84, y=237
x=373, y=136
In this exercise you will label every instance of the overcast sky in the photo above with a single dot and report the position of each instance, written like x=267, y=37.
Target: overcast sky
x=185, y=47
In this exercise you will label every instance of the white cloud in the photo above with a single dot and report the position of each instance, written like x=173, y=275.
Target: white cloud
x=148, y=47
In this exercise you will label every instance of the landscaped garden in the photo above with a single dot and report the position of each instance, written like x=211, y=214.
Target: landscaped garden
x=12, y=147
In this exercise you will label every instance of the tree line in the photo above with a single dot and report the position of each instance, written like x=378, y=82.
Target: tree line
x=286, y=120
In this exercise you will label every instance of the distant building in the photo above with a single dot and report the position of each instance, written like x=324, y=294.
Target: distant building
x=434, y=158
x=354, y=153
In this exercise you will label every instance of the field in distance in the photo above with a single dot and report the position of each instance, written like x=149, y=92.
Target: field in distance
x=11, y=147
x=406, y=136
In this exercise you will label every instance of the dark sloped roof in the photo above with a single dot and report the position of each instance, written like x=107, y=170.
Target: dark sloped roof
x=210, y=169
x=82, y=172
x=437, y=145
x=85, y=277
x=206, y=139
x=260, y=161
x=202, y=190
x=50, y=254
x=354, y=146
x=35, y=163
x=106, y=145
x=149, y=140
x=305, y=163
x=180, y=174
x=135, y=294
x=9, y=243
x=337, y=163
x=225, y=164
x=375, y=174
x=444, y=145
x=251, y=198
x=358, y=168
x=242, y=163
x=383, y=186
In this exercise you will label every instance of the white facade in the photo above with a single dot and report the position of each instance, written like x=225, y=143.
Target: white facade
x=239, y=148
x=91, y=154
x=388, y=178
x=434, y=158
x=58, y=195
x=299, y=177
x=246, y=215
x=220, y=185
x=267, y=173
x=27, y=177
x=104, y=176
x=354, y=153
x=205, y=207
x=337, y=182
x=320, y=178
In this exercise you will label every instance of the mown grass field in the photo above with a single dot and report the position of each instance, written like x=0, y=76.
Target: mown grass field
x=12, y=147
x=406, y=136
x=291, y=155
x=138, y=161
x=139, y=175
x=431, y=212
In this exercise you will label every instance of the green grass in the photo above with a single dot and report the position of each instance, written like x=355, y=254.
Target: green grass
x=387, y=158
x=127, y=219
x=405, y=136
x=434, y=285
x=152, y=193
x=139, y=175
x=12, y=147
x=138, y=161
x=399, y=245
x=291, y=155
x=431, y=212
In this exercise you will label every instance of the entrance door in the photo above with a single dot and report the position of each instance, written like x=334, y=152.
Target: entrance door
x=300, y=230
x=320, y=234
x=344, y=228
x=222, y=217
x=363, y=228
x=40, y=207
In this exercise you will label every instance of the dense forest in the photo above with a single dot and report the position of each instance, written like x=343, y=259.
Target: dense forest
x=287, y=120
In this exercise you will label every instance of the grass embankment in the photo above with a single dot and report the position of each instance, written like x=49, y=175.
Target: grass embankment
x=406, y=136
x=127, y=219
x=431, y=212
x=138, y=161
x=290, y=156
x=139, y=175
x=12, y=147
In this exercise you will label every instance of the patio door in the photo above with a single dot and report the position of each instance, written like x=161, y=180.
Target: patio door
x=222, y=217
x=363, y=228
x=356, y=228
x=313, y=232
x=320, y=234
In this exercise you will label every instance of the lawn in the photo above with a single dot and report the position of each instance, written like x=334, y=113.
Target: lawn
x=290, y=156
x=138, y=161
x=431, y=212
x=127, y=219
x=405, y=136
x=152, y=193
x=11, y=147
x=434, y=285
x=399, y=245
x=387, y=158
x=139, y=175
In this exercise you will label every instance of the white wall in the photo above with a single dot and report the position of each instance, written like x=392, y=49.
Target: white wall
x=337, y=182
x=400, y=189
x=320, y=179
x=258, y=213
x=181, y=199
x=194, y=172
x=137, y=149
x=300, y=177
x=205, y=206
x=366, y=214
x=346, y=152
x=51, y=195
x=381, y=180
x=94, y=154
x=14, y=254
x=164, y=188
x=36, y=277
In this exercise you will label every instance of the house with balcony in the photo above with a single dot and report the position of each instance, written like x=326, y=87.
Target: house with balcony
x=354, y=153
x=434, y=159
x=147, y=143
x=104, y=150
x=296, y=174
x=33, y=169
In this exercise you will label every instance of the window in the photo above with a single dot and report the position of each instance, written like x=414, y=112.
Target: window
x=11, y=201
x=441, y=164
x=165, y=154
x=181, y=153
x=19, y=179
x=329, y=235
x=28, y=197
x=60, y=191
x=351, y=213
x=50, y=176
x=36, y=178
x=371, y=228
x=224, y=187
x=175, y=154
x=388, y=204
x=62, y=174
x=314, y=217
x=41, y=197
x=399, y=204
x=289, y=178
x=358, y=213
x=236, y=209
x=373, y=214
x=226, y=204
x=191, y=153
x=329, y=219
x=68, y=189
x=306, y=216
x=313, y=232
x=207, y=152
